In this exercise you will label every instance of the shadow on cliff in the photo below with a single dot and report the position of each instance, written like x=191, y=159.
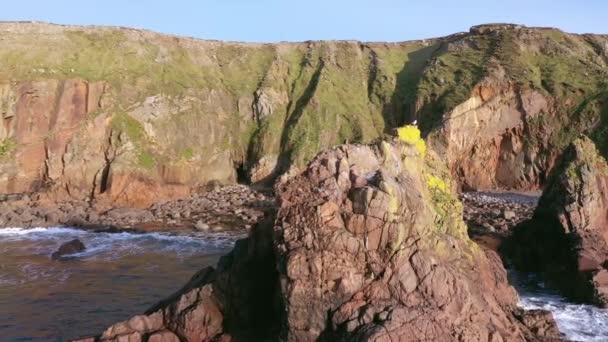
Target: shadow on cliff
x=430, y=111
x=600, y=133
x=401, y=108
x=295, y=110
x=246, y=283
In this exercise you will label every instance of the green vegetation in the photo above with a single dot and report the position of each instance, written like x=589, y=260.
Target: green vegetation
x=146, y=160
x=187, y=153
x=123, y=122
x=450, y=78
x=7, y=146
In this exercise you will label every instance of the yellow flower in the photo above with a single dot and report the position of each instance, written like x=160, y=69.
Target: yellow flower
x=411, y=135
x=435, y=182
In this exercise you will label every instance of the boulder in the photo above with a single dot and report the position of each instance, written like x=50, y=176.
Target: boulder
x=509, y=215
x=343, y=259
x=571, y=221
x=540, y=323
x=200, y=225
x=71, y=247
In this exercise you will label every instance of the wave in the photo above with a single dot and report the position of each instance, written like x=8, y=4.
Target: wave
x=578, y=322
x=111, y=246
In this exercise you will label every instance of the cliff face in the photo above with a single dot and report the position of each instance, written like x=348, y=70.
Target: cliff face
x=132, y=115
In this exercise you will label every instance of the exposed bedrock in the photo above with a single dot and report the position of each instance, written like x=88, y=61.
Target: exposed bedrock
x=367, y=244
x=567, y=238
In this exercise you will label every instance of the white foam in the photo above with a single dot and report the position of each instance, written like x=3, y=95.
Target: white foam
x=26, y=231
x=578, y=322
x=112, y=246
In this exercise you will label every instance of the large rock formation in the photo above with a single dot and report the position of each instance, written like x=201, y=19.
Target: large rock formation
x=132, y=116
x=567, y=237
x=367, y=244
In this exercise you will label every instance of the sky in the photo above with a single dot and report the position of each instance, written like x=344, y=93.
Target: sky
x=275, y=20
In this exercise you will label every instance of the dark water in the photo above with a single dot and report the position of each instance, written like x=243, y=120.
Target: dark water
x=119, y=275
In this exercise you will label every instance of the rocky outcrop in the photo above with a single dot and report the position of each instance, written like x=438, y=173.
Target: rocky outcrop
x=367, y=244
x=571, y=220
x=136, y=117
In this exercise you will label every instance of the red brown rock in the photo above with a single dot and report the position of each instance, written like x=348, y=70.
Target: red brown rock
x=572, y=221
x=386, y=259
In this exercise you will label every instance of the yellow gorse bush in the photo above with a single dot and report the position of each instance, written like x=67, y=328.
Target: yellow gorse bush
x=411, y=135
x=435, y=183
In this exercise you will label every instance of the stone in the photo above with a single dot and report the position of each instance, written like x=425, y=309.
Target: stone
x=489, y=227
x=541, y=323
x=163, y=336
x=200, y=225
x=509, y=215
x=70, y=247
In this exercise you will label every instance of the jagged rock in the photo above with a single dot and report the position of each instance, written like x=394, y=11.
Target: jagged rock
x=342, y=260
x=71, y=247
x=571, y=220
x=540, y=323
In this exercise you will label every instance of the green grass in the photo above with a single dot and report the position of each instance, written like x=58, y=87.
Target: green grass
x=187, y=154
x=450, y=80
x=146, y=160
x=123, y=122
x=7, y=146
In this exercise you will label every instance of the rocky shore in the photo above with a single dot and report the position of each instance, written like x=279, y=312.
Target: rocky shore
x=492, y=216
x=497, y=212
x=213, y=209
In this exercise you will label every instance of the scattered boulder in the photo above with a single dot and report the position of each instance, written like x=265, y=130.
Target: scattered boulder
x=509, y=215
x=341, y=260
x=496, y=212
x=217, y=208
x=200, y=225
x=71, y=247
x=571, y=221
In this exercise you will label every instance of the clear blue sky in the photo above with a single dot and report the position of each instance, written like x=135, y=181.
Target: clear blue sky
x=274, y=20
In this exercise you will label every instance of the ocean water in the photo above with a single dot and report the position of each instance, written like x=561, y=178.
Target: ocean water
x=122, y=274
x=119, y=275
